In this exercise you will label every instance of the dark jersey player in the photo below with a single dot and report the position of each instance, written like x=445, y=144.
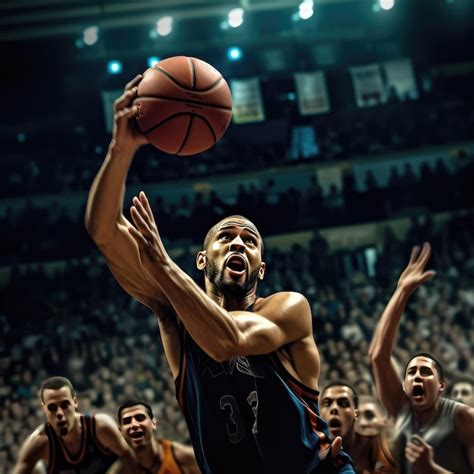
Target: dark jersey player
x=246, y=368
x=71, y=442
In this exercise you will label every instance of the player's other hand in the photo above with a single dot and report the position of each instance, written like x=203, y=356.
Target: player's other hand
x=125, y=133
x=414, y=274
x=420, y=455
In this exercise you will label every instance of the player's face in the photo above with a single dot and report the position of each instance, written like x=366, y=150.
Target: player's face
x=59, y=407
x=371, y=420
x=463, y=392
x=233, y=256
x=136, y=426
x=337, y=408
x=422, y=384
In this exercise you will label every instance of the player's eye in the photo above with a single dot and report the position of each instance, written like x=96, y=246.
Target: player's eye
x=126, y=420
x=250, y=240
x=140, y=417
x=224, y=236
x=52, y=407
x=65, y=404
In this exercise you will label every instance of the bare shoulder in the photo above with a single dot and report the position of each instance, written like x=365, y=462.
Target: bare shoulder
x=284, y=304
x=185, y=457
x=35, y=446
x=465, y=424
x=104, y=423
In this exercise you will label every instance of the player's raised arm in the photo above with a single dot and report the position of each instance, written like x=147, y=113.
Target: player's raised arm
x=108, y=227
x=235, y=248
x=387, y=381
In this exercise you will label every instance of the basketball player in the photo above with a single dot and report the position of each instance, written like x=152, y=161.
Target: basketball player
x=71, y=442
x=463, y=391
x=246, y=368
x=372, y=419
x=155, y=456
x=369, y=453
x=433, y=434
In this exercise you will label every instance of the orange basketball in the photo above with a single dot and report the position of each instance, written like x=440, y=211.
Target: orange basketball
x=184, y=105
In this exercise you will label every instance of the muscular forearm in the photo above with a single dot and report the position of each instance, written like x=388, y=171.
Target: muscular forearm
x=386, y=331
x=105, y=202
x=213, y=328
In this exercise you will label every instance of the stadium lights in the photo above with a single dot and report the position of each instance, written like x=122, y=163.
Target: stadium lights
x=235, y=17
x=164, y=26
x=386, y=4
x=234, y=53
x=306, y=9
x=90, y=35
x=153, y=61
x=114, y=67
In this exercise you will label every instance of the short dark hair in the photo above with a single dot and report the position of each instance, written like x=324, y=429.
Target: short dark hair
x=213, y=229
x=355, y=397
x=55, y=383
x=438, y=365
x=131, y=402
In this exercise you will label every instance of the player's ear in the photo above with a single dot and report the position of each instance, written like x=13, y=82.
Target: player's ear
x=154, y=423
x=356, y=414
x=75, y=402
x=442, y=385
x=201, y=260
x=261, y=271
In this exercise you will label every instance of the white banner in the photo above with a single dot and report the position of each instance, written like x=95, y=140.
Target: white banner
x=312, y=93
x=108, y=99
x=368, y=85
x=401, y=83
x=247, y=103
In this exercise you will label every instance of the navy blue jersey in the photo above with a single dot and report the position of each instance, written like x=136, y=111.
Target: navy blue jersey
x=249, y=415
x=92, y=458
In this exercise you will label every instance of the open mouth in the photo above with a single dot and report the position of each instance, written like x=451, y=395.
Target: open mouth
x=236, y=263
x=62, y=423
x=136, y=435
x=335, y=423
x=418, y=391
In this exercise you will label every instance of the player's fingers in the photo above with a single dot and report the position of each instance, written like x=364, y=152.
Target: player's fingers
x=146, y=205
x=126, y=99
x=141, y=241
x=336, y=446
x=425, y=254
x=427, y=276
x=142, y=210
x=134, y=82
x=125, y=113
x=140, y=223
x=414, y=254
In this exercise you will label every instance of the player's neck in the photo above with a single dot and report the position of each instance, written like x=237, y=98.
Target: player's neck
x=422, y=418
x=72, y=440
x=231, y=301
x=350, y=441
x=150, y=459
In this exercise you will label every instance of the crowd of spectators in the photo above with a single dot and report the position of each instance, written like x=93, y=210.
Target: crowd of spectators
x=32, y=233
x=74, y=320
x=45, y=168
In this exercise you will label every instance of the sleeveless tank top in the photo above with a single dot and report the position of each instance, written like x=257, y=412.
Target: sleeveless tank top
x=249, y=415
x=439, y=433
x=169, y=465
x=92, y=458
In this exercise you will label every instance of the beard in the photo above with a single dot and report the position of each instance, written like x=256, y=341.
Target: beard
x=216, y=277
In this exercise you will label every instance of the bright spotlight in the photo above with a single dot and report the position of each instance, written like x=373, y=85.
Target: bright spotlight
x=114, y=67
x=90, y=35
x=153, y=61
x=306, y=9
x=235, y=17
x=234, y=53
x=387, y=4
x=164, y=26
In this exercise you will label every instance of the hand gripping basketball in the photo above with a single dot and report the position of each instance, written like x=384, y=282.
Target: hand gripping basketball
x=184, y=105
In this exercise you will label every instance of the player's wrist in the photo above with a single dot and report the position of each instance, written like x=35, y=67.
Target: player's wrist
x=123, y=148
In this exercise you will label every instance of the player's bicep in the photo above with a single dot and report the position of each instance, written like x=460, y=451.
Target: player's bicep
x=464, y=423
x=284, y=319
x=32, y=451
x=388, y=386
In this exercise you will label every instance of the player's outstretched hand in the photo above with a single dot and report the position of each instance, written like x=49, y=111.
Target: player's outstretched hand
x=414, y=274
x=125, y=133
x=152, y=251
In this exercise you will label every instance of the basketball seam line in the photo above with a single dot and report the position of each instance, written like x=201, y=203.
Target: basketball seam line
x=193, y=72
x=183, y=86
x=178, y=99
x=188, y=131
x=178, y=115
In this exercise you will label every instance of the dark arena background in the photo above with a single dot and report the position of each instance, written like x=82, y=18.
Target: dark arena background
x=352, y=140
